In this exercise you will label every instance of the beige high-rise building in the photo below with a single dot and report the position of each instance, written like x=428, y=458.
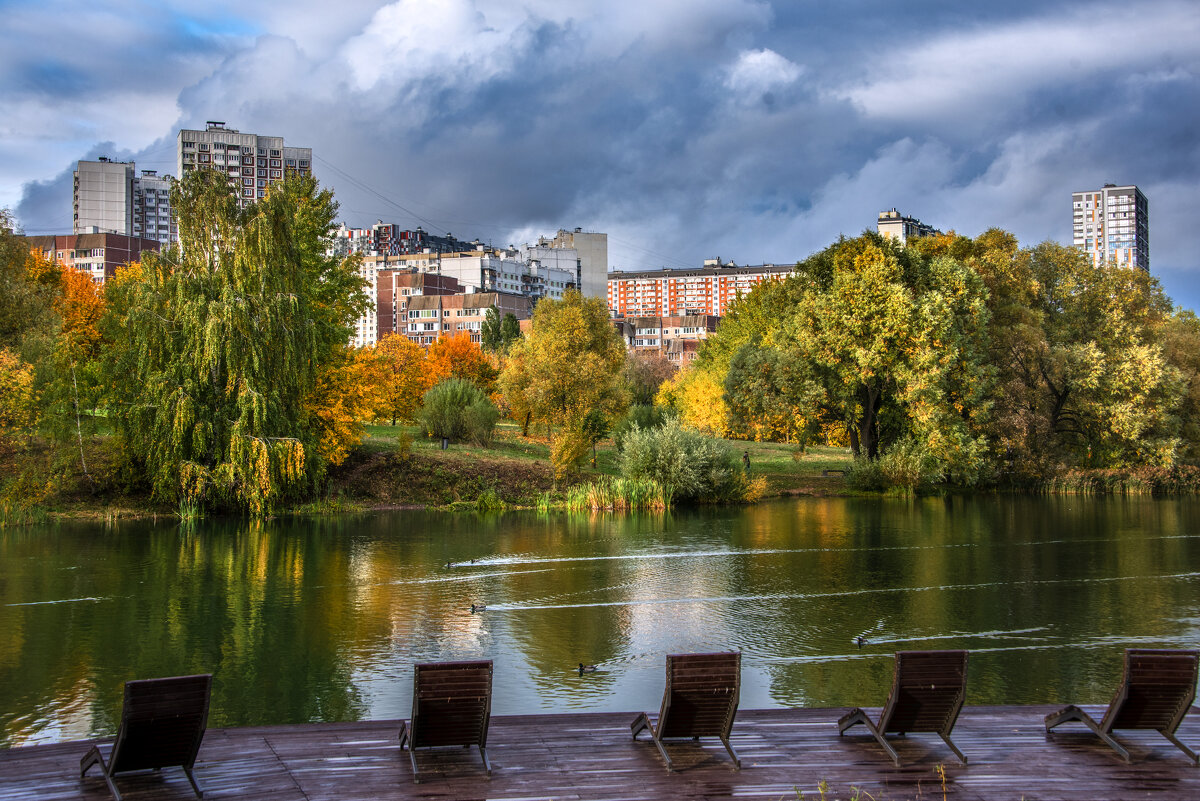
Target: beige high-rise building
x=110, y=197
x=1113, y=223
x=592, y=250
x=251, y=162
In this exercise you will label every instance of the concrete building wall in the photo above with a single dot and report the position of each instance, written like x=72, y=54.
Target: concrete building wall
x=709, y=290
x=592, y=250
x=103, y=197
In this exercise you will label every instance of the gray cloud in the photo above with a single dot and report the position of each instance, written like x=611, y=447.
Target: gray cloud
x=685, y=129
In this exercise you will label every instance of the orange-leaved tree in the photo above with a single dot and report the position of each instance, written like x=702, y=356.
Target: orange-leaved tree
x=404, y=375
x=458, y=357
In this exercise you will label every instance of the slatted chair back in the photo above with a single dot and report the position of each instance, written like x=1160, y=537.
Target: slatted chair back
x=162, y=723
x=452, y=703
x=701, y=697
x=928, y=690
x=1156, y=691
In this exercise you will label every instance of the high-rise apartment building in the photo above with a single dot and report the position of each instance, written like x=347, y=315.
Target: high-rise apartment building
x=251, y=162
x=98, y=255
x=1113, y=224
x=670, y=292
x=110, y=197
x=592, y=251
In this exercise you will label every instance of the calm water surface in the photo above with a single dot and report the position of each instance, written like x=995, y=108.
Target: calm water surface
x=319, y=620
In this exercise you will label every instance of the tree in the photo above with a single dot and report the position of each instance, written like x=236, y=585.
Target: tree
x=568, y=363
x=497, y=335
x=696, y=393
x=218, y=349
x=457, y=356
x=403, y=376
x=594, y=427
x=644, y=373
x=17, y=412
x=29, y=285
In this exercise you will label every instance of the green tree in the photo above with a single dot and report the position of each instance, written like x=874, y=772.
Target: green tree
x=893, y=343
x=218, y=348
x=497, y=334
x=29, y=287
x=569, y=363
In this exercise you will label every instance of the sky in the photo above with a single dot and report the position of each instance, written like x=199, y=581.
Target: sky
x=748, y=130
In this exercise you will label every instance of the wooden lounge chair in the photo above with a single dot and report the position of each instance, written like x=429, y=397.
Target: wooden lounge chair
x=162, y=724
x=1155, y=693
x=452, y=705
x=700, y=701
x=928, y=690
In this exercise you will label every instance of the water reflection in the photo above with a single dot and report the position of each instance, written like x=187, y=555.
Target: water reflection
x=322, y=619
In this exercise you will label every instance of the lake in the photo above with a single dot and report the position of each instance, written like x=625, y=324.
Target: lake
x=322, y=619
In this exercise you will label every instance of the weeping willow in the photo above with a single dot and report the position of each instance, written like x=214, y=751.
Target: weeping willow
x=221, y=342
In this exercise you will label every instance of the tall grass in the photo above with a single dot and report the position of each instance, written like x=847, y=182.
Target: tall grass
x=19, y=514
x=618, y=495
x=1157, y=481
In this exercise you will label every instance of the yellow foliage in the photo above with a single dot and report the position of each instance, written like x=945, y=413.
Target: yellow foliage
x=400, y=375
x=80, y=306
x=699, y=398
x=17, y=408
x=346, y=394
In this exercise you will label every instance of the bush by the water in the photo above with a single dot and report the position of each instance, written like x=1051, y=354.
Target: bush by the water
x=459, y=410
x=689, y=465
x=640, y=415
x=906, y=465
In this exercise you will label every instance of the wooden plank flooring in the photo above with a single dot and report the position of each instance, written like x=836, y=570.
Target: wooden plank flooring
x=591, y=757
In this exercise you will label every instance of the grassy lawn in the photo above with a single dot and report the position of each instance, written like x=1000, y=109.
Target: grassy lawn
x=517, y=469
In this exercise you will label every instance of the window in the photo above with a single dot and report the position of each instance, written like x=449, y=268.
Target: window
x=275, y=154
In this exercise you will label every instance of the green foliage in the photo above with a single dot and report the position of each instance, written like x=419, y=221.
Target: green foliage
x=217, y=348
x=641, y=416
x=689, y=465
x=458, y=410
x=490, y=501
x=29, y=287
x=498, y=334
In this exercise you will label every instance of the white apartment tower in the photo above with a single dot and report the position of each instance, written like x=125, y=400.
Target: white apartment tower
x=109, y=197
x=251, y=162
x=1113, y=224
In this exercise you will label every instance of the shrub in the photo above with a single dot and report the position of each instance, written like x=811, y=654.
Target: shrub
x=569, y=447
x=689, y=465
x=908, y=465
x=457, y=409
x=643, y=416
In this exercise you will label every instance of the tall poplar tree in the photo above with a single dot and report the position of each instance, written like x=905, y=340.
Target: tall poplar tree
x=219, y=345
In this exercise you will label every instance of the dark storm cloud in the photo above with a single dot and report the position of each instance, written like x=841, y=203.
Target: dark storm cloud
x=683, y=128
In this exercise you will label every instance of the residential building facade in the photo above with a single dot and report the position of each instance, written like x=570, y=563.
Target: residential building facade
x=895, y=225
x=677, y=337
x=434, y=316
x=389, y=239
x=97, y=255
x=111, y=197
x=1113, y=224
x=251, y=162
x=672, y=293
x=591, y=249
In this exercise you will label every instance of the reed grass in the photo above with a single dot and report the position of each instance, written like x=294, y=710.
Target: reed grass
x=613, y=495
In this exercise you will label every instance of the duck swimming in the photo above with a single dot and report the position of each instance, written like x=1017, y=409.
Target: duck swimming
x=477, y=608
x=586, y=668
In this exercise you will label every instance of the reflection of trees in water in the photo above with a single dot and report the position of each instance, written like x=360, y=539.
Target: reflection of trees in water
x=309, y=619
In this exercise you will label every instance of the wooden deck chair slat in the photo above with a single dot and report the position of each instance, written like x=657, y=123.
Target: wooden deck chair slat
x=700, y=700
x=162, y=725
x=1156, y=691
x=452, y=706
x=928, y=692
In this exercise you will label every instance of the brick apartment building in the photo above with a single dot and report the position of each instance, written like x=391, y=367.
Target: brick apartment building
x=98, y=255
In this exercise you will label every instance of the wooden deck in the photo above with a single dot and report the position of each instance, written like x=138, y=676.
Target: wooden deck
x=591, y=756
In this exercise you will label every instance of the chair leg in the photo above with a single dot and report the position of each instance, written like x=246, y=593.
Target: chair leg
x=403, y=733
x=953, y=747
x=851, y=718
x=663, y=750
x=737, y=763
x=192, y=779
x=1072, y=712
x=412, y=755
x=1174, y=741
x=92, y=757
x=487, y=765
x=641, y=723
